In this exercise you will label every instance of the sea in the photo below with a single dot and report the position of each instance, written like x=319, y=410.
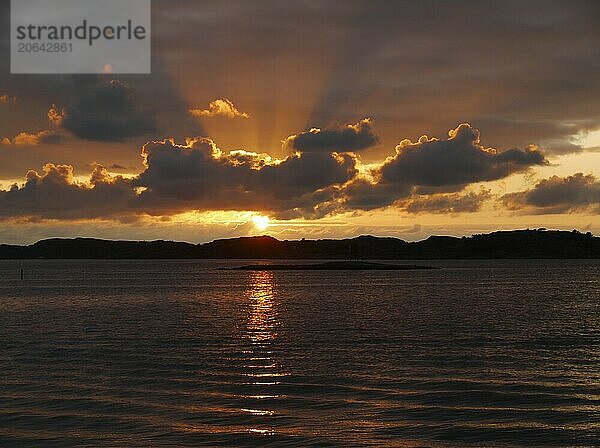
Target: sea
x=181, y=353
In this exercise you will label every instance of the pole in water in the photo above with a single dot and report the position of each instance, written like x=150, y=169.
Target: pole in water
x=22, y=274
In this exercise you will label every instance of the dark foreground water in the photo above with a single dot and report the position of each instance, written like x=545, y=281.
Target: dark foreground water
x=180, y=354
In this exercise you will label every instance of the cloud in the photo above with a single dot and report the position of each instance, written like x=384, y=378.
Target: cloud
x=448, y=203
x=179, y=178
x=54, y=194
x=556, y=194
x=198, y=175
x=352, y=137
x=48, y=137
x=456, y=161
x=363, y=194
x=562, y=147
x=431, y=166
x=105, y=112
x=219, y=108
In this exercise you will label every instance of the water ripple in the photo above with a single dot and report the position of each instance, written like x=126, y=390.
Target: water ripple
x=178, y=353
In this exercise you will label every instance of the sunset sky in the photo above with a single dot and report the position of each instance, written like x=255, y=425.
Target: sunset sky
x=315, y=119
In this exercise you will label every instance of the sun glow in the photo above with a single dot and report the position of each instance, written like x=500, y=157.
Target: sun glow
x=588, y=139
x=261, y=222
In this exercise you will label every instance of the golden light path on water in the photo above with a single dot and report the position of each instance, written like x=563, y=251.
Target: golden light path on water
x=261, y=332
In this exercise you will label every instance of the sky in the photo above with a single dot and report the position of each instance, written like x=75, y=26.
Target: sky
x=315, y=119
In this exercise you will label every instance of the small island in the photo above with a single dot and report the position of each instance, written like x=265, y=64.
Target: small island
x=332, y=266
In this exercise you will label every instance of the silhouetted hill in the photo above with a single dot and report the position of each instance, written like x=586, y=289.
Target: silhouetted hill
x=94, y=248
x=509, y=244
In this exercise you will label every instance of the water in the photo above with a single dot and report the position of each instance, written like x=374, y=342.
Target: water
x=180, y=354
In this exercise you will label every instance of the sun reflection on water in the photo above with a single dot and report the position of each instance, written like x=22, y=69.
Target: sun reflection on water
x=261, y=365
x=262, y=319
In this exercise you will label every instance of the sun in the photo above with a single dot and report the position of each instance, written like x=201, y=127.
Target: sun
x=261, y=222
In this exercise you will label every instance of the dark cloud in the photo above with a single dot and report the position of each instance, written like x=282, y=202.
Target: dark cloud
x=200, y=176
x=352, y=137
x=556, y=194
x=50, y=137
x=449, y=203
x=107, y=111
x=54, y=194
x=432, y=167
x=362, y=194
x=178, y=178
x=458, y=160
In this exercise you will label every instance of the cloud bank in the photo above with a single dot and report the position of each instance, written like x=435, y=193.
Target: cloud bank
x=427, y=176
x=198, y=175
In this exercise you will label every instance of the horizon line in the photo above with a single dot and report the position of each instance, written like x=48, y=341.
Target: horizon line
x=539, y=229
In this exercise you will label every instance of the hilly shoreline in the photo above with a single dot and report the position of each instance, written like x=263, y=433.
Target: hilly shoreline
x=503, y=244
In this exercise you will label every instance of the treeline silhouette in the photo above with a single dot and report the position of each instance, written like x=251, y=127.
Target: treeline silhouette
x=539, y=243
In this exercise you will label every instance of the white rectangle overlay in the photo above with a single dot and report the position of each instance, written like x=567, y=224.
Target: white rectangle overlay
x=80, y=36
